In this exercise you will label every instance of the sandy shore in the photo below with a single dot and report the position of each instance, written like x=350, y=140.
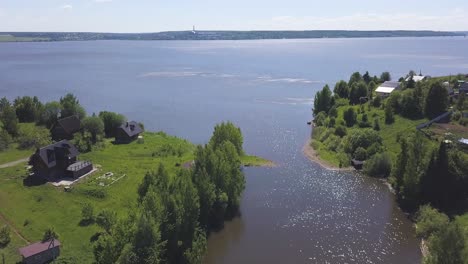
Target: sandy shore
x=313, y=156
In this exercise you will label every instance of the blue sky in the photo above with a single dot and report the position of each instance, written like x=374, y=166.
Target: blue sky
x=160, y=15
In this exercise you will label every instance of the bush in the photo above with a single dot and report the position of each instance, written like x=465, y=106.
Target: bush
x=376, y=125
x=4, y=236
x=320, y=119
x=361, y=138
x=49, y=235
x=350, y=117
x=464, y=121
x=379, y=165
x=340, y=131
x=94, y=192
x=87, y=212
x=360, y=154
x=377, y=102
x=430, y=221
x=31, y=136
x=106, y=219
x=5, y=140
x=456, y=116
x=331, y=122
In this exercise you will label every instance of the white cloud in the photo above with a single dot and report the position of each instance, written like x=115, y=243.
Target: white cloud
x=454, y=20
x=67, y=7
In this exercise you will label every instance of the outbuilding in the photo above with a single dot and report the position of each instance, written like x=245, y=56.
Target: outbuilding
x=40, y=252
x=65, y=128
x=386, y=88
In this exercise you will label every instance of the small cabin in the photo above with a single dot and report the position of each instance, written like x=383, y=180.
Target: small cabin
x=40, y=252
x=128, y=132
x=65, y=128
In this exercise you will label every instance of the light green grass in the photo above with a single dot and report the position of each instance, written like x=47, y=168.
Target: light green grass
x=249, y=161
x=13, y=154
x=10, y=252
x=10, y=38
x=45, y=206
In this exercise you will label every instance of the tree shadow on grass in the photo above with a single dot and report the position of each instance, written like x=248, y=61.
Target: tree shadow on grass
x=86, y=222
x=95, y=237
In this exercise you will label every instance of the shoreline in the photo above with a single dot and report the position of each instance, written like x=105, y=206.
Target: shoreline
x=313, y=156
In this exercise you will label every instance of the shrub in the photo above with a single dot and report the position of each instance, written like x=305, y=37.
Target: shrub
x=360, y=154
x=331, y=122
x=464, y=121
x=429, y=221
x=87, y=212
x=377, y=102
x=350, y=117
x=340, y=131
x=389, y=118
x=456, y=116
x=5, y=140
x=33, y=136
x=320, y=119
x=106, y=219
x=4, y=236
x=49, y=234
x=332, y=143
x=379, y=165
x=94, y=192
x=376, y=125
x=361, y=138
x=333, y=112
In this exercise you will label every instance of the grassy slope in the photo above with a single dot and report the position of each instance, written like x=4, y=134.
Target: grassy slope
x=387, y=132
x=13, y=154
x=44, y=206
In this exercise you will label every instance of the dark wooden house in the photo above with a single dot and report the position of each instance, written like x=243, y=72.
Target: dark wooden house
x=59, y=160
x=128, y=132
x=40, y=252
x=65, y=128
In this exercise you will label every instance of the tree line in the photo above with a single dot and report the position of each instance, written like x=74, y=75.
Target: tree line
x=29, y=109
x=175, y=212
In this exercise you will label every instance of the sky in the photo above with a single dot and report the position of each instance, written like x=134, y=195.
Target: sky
x=167, y=15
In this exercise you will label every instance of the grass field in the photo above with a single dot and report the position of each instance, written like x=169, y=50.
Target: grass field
x=32, y=210
x=13, y=154
x=10, y=38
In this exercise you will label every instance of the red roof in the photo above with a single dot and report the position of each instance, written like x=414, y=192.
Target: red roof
x=38, y=247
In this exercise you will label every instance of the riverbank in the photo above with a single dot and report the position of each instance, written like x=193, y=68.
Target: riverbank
x=313, y=156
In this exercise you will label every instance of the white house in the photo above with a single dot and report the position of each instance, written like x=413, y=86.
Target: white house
x=417, y=78
x=386, y=88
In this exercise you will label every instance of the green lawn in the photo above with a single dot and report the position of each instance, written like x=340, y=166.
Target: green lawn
x=33, y=209
x=13, y=154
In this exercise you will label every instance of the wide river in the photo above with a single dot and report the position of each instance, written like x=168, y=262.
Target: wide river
x=294, y=213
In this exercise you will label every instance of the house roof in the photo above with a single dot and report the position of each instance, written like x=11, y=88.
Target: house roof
x=390, y=84
x=417, y=78
x=382, y=89
x=463, y=141
x=464, y=86
x=38, y=247
x=48, y=154
x=131, y=128
x=70, y=124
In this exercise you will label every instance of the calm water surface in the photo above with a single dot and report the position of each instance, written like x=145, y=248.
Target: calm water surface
x=295, y=213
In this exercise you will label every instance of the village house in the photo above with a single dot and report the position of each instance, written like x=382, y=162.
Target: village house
x=417, y=78
x=40, y=252
x=386, y=88
x=65, y=128
x=128, y=132
x=463, y=88
x=59, y=160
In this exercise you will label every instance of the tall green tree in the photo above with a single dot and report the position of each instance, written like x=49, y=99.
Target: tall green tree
x=350, y=117
x=50, y=113
x=111, y=122
x=447, y=246
x=436, y=100
x=28, y=109
x=355, y=78
x=9, y=120
x=341, y=89
x=227, y=132
x=385, y=76
x=71, y=106
x=94, y=126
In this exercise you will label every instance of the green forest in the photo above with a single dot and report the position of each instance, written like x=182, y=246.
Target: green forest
x=427, y=170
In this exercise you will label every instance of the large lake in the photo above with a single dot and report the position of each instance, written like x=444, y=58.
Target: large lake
x=295, y=213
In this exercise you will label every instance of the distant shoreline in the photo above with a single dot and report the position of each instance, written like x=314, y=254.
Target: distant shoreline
x=221, y=35
x=313, y=156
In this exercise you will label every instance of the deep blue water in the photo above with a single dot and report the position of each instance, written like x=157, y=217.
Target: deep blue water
x=295, y=213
